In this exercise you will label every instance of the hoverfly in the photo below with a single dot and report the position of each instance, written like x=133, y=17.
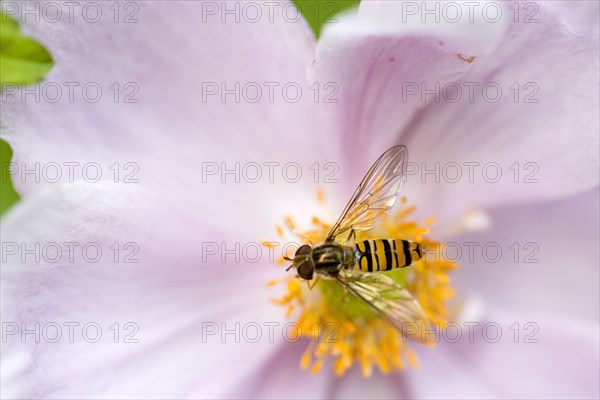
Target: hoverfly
x=358, y=266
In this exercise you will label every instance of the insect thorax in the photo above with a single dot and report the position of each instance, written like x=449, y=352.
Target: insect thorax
x=331, y=257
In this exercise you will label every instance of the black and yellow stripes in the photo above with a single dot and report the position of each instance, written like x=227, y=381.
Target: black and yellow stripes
x=386, y=254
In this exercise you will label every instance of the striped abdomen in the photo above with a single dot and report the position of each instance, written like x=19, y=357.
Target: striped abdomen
x=386, y=254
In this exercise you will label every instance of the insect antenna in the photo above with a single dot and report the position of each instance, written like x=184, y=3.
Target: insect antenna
x=286, y=258
x=290, y=225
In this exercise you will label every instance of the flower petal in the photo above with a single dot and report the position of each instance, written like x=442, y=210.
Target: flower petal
x=547, y=259
x=156, y=76
x=354, y=386
x=498, y=359
x=282, y=378
x=374, y=59
x=161, y=318
x=528, y=130
x=218, y=157
x=580, y=15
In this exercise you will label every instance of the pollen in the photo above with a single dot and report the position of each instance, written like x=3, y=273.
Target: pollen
x=340, y=330
x=467, y=59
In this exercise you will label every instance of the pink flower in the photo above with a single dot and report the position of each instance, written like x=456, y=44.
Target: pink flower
x=158, y=314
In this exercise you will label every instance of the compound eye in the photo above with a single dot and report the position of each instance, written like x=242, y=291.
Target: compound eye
x=306, y=270
x=304, y=249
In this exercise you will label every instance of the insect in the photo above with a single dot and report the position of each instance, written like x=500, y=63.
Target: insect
x=358, y=266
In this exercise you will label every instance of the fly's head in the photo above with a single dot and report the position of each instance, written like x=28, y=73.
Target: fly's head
x=303, y=262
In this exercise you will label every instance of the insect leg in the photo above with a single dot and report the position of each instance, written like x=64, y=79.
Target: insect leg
x=351, y=236
x=310, y=287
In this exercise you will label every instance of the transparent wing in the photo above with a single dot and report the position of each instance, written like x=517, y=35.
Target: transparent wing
x=388, y=299
x=375, y=195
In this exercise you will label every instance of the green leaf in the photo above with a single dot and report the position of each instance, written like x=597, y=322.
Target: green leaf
x=8, y=195
x=321, y=12
x=22, y=59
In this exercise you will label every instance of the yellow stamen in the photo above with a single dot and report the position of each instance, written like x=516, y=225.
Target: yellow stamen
x=272, y=282
x=289, y=222
x=344, y=331
x=279, y=230
x=306, y=359
x=320, y=196
x=316, y=367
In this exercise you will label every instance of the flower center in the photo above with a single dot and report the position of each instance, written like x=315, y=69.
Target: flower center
x=341, y=328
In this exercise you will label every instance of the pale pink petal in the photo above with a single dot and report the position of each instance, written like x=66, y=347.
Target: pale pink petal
x=580, y=15
x=553, y=286
x=548, y=259
x=544, y=142
x=550, y=358
x=281, y=377
x=172, y=140
x=354, y=386
x=172, y=295
x=172, y=56
x=374, y=56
